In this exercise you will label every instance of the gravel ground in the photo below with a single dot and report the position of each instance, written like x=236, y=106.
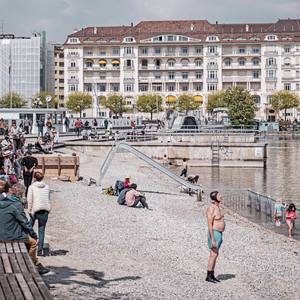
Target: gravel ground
x=102, y=250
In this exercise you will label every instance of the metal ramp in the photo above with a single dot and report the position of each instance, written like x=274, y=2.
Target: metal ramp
x=123, y=146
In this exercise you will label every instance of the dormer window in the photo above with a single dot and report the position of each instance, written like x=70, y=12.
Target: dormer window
x=271, y=37
x=171, y=38
x=73, y=40
x=212, y=38
x=129, y=40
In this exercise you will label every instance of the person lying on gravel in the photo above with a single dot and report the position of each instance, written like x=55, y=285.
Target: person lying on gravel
x=133, y=197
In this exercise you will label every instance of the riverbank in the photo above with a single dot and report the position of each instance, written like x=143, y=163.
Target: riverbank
x=106, y=251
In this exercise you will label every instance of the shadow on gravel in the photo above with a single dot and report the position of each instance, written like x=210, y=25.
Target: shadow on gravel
x=225, y=276
x=60, y=252
x=66, y=276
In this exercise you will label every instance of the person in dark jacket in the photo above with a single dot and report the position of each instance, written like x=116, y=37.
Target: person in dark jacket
x=14, y=226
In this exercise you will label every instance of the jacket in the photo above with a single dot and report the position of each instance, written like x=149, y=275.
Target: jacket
x=121, y=197
x=38, y=197
x=14, y=225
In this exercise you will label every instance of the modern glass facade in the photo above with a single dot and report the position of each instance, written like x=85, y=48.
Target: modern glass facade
x=20, y=66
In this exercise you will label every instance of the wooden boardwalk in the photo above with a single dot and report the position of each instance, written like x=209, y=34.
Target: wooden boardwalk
x=19, y=279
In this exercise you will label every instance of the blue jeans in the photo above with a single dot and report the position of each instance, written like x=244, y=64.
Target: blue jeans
x=42, y=217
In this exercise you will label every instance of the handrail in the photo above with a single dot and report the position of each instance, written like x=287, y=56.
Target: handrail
x=150, y=161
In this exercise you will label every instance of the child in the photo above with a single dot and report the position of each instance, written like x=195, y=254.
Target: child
x=278, y=212
x=290, y=216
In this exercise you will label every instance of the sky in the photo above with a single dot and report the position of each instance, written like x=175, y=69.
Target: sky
x=60, y=17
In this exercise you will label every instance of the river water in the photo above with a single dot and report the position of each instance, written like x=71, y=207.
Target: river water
x=280, y=178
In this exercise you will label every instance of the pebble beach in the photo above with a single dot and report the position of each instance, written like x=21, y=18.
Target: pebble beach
x=101, y=250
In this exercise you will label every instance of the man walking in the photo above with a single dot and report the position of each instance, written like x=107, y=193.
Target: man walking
x=78, y=126
x=40, y=125
x=29, y=163
x=216, y=227
x=185, y=168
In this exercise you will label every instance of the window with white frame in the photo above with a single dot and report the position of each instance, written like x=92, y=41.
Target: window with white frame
x=102, y=87
x=185, y=75
x=212, y=87
x=171, y=38
x=88, y=87
x=128, y=50
x=212, y=38
x=171, y=50
x=73, y=40
x=171, y=87
x=271, y=37
x=242, y=50
x=227, y=62
x=256, y=62
x=198, y=50
x=297, y=86
x=184, y=88
x=115, y=51
x=297, y=74
x=184, y=50
x=271, y=73
x=287, y=86
x=157, y=87
x=255, y=50
x=157, y=50
x=171, y=63
x=73, y=88
x=256, y=74
x=198, y=75
x=198, y=87
x=143, y=87
x=286, y=49
x=157, y=76
x=242, y=62
x=171, y=75
x=144, y=51
x=271, y=61
x=73, y=64
x=198, y=62
x=212, y=74
x=128, y=87
x=212, y=49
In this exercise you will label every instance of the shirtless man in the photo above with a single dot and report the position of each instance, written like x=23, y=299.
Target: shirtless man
x=216, y=227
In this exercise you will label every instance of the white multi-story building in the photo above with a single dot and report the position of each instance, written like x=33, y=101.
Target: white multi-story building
x=170, y=58
x=20, y=66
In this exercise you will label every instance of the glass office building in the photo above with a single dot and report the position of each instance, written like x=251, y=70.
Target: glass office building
x=20, y=66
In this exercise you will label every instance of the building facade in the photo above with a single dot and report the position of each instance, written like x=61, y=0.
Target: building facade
x=20, y=66
x=59, y=74
x=171, y=58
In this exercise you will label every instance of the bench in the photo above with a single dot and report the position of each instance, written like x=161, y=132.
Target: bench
x=19, y=279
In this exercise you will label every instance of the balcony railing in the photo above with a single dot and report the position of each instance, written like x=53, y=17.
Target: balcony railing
x=271, y=78
x=73, y=81
x=273, y=66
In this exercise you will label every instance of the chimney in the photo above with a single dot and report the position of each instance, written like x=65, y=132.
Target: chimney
x=192, y=27
x=131, y=24
x=95, y=30
x=247, y=28
x=216, y=22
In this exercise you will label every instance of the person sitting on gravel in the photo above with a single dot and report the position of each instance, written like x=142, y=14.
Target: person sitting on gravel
x=127, y=182
x=133, y=197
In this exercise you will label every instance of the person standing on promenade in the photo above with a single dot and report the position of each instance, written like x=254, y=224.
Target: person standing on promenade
x=290, y=216
x=185, y=168
x=29, y=163
x=67, y=124
x=39, y=206
x=216, y=227
x=278, y=212
x=77, y=126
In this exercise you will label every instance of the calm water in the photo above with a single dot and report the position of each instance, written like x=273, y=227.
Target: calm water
x=280, y=178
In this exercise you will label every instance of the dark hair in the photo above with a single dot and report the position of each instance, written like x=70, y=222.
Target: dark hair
x=196, y=178
x=38, y=176
x=214, y=196
x=133, y=186
x=4, y=186
x=28, y=153
x=291, y=207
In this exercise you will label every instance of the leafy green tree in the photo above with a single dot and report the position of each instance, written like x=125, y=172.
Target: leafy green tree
x=40, y=100
x=241, y=106
x=149, y=104
x=215, y=100
x=284, y=100
x=12, y=101
x=115, y=103
x=186, y=103
x=79, y=101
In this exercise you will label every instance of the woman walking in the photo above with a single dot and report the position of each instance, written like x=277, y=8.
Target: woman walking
x=290, y=216
x=39, y=206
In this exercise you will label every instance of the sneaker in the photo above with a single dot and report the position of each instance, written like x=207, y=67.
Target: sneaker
x=42, y=270
x=40, y=253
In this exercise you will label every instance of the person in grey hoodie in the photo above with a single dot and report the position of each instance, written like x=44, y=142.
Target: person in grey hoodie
x=39, y=206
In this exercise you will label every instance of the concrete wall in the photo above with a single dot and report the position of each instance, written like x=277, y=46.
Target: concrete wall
x=230, y=155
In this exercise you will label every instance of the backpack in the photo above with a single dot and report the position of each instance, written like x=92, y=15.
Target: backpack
x=121, y=198
x=119, y=186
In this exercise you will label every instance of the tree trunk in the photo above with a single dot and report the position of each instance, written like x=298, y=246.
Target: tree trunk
x=80, y=113
x=285, y=114
x=151, y=113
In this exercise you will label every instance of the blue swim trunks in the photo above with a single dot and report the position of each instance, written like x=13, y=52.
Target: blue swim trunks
x=218, y=235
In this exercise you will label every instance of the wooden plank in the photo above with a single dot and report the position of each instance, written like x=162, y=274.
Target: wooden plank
x=33, y=287
x=9, y=248
x=23, y=248
x=15, y=287
x=6, y=288
x=2, y=247
x=1, y=291
x=1, y=267
x=14, y=263
x=24, y=287
x=21, y=263
x=16, y=247
x=42, y=287
x=29, y=263
x=6, y=263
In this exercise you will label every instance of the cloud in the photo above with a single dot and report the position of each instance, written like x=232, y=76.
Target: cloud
x=60, y=17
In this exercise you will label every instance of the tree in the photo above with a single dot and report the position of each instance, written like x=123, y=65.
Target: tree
x=77, y=102
x=115, y=103
x=42, y=103
x=149, y=104
x=215, y=100
x=284, y=100
x=241, y=106
x=186, y=102
x=12, y=101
